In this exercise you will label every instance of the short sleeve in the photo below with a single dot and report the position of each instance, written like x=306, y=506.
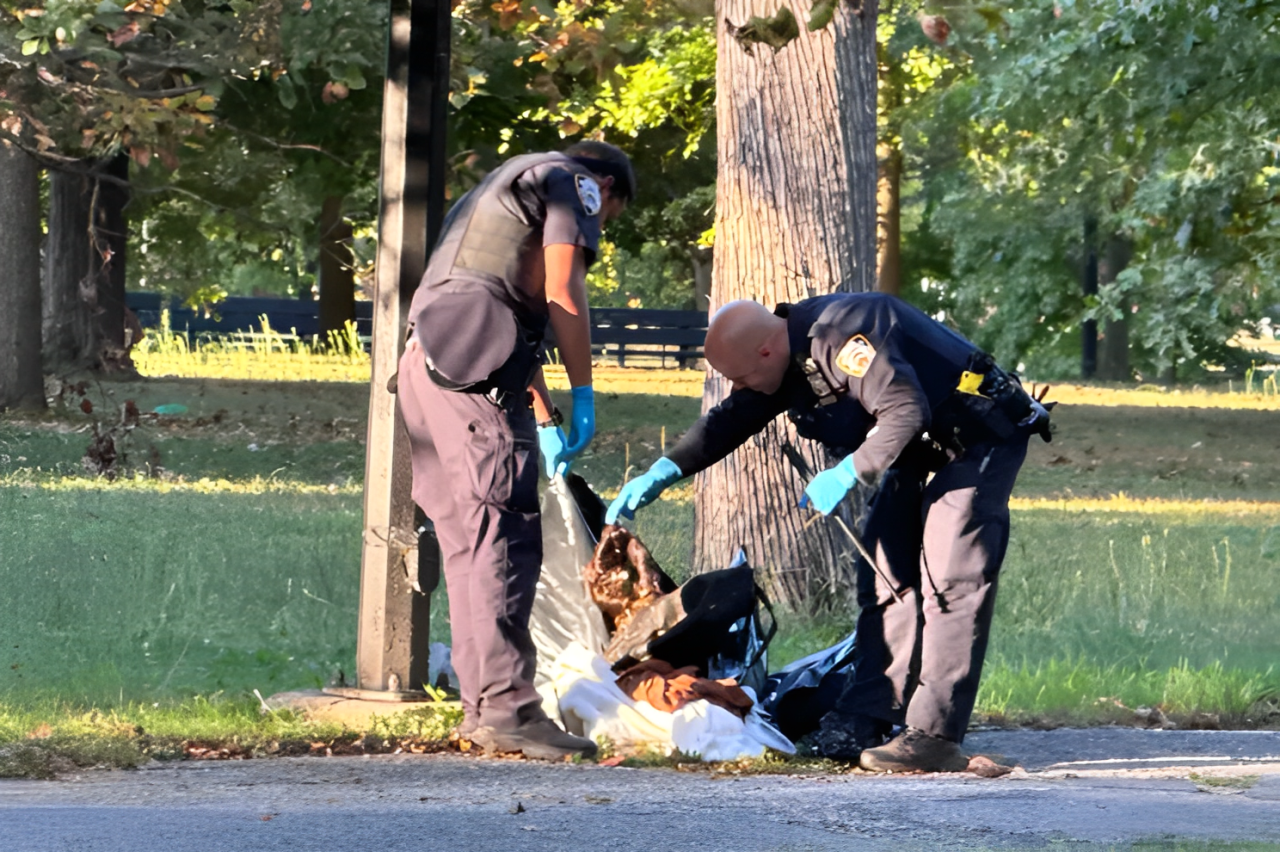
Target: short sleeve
x=572, y=203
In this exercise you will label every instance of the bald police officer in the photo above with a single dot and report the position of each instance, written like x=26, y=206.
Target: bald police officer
x=512, y=256
x=898, y=396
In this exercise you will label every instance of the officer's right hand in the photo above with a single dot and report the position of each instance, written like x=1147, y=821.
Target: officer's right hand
x=828, y=488
x=643, y=490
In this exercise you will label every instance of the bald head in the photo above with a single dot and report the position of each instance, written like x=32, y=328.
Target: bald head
x=747, y=344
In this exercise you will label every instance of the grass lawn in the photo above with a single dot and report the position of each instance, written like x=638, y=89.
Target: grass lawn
x=1141, y=571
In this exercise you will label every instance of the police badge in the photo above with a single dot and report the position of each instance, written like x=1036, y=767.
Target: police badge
x=588, y=194
x=856, y=356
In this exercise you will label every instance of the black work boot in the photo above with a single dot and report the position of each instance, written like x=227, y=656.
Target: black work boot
x=915, y=751
x=844, y=736
x=539, y=740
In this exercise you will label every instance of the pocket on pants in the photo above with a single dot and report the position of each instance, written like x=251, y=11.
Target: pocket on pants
x=490, y=464
x=524, y=474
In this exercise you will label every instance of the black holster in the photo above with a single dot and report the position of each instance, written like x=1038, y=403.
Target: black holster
x=993, y=414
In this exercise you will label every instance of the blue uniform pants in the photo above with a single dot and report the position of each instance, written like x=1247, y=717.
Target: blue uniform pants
x=926, y=612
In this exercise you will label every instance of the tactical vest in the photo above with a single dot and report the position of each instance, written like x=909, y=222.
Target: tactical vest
x=475, y=324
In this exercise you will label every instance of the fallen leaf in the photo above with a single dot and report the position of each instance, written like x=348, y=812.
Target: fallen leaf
x=124, y=35
x=985, y=767
x=616, y=760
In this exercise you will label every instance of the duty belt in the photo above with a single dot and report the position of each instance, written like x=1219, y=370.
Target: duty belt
x=985, y=378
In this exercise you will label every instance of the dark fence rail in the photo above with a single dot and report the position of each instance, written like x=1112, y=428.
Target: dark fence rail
x=239, y=314
x=618, y=333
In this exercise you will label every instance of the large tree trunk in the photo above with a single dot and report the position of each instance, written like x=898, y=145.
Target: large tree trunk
x=70, y=294
x=795, y=217
x=337, y=269
x=1113, y=356
x=21, y=381
x=110, y=234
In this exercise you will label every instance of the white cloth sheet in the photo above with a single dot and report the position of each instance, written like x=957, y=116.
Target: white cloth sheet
x=583, y=688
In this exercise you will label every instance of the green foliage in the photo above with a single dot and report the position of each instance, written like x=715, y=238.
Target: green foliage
x=527, y=78
x=1157, y=120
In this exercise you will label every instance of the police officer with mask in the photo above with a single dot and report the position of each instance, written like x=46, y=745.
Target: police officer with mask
x=512, y=256
x=898, y=397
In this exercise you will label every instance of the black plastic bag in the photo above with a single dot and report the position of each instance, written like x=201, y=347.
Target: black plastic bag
x=797, y=697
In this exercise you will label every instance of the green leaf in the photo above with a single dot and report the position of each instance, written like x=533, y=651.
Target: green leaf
x=285, y=93
x=354, y=77
x=30, y=46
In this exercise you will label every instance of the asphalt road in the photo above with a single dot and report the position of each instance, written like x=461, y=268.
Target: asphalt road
x=1090, y=789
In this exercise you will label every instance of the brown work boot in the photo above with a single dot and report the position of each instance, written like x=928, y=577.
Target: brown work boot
x=464, y=730
x=844, y=736
x=540, y=740
x=915, y=751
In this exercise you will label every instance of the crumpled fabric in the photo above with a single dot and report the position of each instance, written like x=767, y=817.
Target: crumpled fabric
x=591, y=704
x=668, y=688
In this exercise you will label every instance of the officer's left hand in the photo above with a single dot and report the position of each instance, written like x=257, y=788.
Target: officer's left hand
x=552, y=443
x=828, y=488
x=583, y=419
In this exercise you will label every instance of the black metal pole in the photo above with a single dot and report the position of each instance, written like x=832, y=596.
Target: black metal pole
x=399, y=566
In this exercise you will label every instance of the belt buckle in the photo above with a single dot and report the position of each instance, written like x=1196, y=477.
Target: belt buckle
x=499, y=397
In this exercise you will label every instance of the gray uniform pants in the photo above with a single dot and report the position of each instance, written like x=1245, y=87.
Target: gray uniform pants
x=918, y=657
x=475, y=475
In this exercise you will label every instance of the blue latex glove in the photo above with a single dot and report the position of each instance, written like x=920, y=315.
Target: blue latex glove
x=551, y=442
x=583, y=420
x=643, y=490
x=828, y=488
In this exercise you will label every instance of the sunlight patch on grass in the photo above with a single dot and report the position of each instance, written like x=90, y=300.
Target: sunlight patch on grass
x=149, y=485
x=1125, y=504
x=1079, y=690
x=45, y=738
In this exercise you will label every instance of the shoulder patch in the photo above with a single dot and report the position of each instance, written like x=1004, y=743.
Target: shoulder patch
x=856, y=356
x=588, y=194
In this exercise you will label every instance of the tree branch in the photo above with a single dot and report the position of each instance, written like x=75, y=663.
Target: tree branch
x=287, y=146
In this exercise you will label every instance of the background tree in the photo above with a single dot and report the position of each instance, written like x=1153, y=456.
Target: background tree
x=21, y=382
x=80, y=84
x=1156, y=121
x=795, y=217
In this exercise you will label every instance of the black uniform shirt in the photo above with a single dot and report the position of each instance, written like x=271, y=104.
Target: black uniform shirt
x=484, y=289
x=888, y=365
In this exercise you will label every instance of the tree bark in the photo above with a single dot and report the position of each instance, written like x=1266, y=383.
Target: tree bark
x=889, y=218
x=1113, y=355
x=337, y=269
x=110, y=236
x=70, y=296
x=888, y=168
x=21, y=380
x=795, y=217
